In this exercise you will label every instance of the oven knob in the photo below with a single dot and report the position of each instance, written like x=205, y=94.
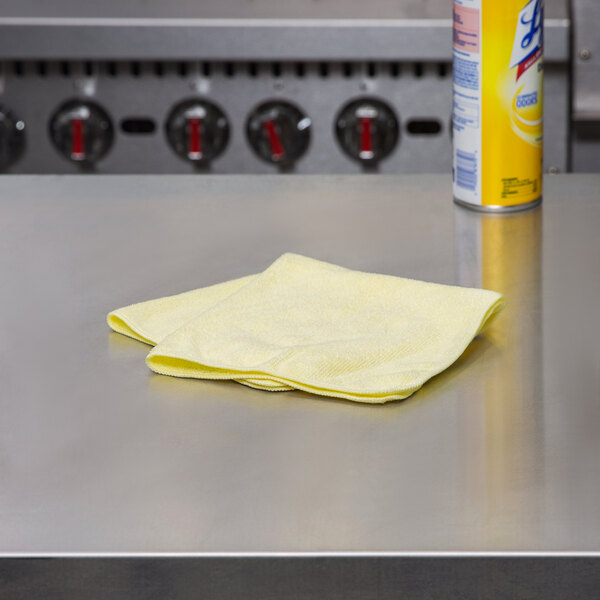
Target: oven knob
x=82, y=131
x=197, y=131
x=12, y=138
x=367, y=130
x=278, y=132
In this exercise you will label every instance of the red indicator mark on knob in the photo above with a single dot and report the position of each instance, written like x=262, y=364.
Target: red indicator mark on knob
x=277, y=150
x=77, y=143
x=366, y=141
x=195, y=138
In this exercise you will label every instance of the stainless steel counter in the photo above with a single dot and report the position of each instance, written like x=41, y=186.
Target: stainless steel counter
x=499, y=454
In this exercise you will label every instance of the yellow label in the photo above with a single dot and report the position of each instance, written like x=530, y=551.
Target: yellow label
x=498, y=101
x=511, y=112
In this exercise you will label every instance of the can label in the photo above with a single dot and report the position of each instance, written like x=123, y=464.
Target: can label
x=498, y=101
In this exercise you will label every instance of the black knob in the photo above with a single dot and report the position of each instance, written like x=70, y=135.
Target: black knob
x=197, y=131
x=12, y=138
x=82, y=131
x=278, y=132
x=367, y=130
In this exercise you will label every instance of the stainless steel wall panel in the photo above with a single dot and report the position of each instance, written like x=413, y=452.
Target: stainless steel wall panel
x=586, y=85
x=301, y=39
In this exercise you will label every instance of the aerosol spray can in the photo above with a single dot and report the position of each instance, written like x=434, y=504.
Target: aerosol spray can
x=497, y=110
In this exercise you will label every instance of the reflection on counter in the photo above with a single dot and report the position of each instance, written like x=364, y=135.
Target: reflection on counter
x=503, y=253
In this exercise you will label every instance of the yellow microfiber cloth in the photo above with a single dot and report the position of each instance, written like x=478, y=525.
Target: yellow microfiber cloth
x=314, y=326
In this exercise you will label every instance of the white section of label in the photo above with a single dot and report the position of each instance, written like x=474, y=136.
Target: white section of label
x=530, y=28
x=466, y=109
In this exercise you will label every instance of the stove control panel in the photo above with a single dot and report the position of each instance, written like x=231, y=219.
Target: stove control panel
x=222, y=117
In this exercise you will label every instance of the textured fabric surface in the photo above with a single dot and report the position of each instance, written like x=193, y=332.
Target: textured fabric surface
x=313, y=326
x=153, y=320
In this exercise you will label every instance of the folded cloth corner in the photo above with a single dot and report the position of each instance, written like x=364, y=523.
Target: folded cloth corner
x=152, y=320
